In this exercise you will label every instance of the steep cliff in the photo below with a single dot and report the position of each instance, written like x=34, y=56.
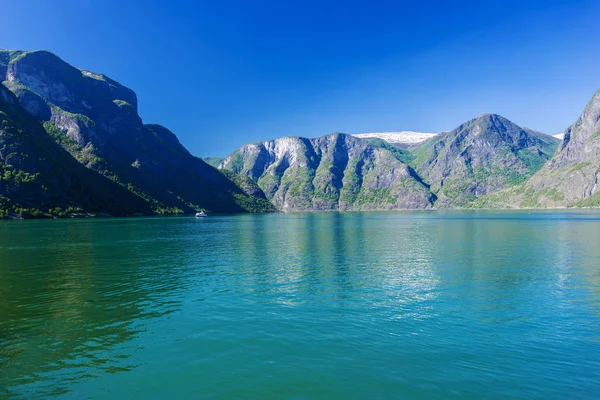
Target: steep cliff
x=332, y=172
x=39, y=178
x=96, y=120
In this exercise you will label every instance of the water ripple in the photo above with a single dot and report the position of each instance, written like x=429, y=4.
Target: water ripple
x=334, y=305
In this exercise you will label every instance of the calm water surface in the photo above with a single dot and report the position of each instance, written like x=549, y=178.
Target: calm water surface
x=422, y=305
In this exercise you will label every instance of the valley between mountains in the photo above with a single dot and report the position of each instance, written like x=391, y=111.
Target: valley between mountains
x=72, y=144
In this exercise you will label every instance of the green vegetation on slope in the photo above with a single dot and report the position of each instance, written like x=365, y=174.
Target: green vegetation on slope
x=213, y=161
x=39, y=179
x=480, y=157
x=255, y=201
x=106, y=135
x=402, y=155
x=332, y=172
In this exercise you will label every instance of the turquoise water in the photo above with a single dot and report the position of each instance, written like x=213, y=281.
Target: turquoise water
x=421, y=305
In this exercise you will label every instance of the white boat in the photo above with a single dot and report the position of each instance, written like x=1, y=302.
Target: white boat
x=201, y=214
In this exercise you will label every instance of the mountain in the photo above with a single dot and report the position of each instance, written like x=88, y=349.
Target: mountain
x=571, y=177
x=336, y=171
x=38, y=177
x=95, y=118
x=213, y=161
x=407, y=139
x=403, y=139
x=452, y=169
x=72, y=142
x=481, y=156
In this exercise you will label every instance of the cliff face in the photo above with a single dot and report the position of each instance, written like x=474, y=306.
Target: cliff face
x=333, y=172
x=96, y=120
x=570, y=178
x=57, y=120
x=38, y=177
x=484, y=155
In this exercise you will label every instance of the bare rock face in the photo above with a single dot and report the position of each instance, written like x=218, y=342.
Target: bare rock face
x=333, y=172
x=482, y=156
x=67, y=87
x=95, y=118
x=486, y=162
x=39, y=178
x=571, y=177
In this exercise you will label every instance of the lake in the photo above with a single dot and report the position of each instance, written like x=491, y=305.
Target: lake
x=380, y=305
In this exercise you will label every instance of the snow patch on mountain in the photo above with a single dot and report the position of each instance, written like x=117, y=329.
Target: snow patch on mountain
x=403, y=137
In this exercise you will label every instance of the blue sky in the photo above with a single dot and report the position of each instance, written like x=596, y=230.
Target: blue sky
x=224, y=73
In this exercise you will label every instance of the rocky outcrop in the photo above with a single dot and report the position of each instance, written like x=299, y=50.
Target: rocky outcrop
x=482, y=156
x=101, y=128
x=333, y=172
x=575, y=169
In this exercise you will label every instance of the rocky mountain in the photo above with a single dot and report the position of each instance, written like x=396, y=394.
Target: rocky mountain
x=570, y=178
x=481, y=156
x=71, y=141
x=38, y=177
x=403, y=139
x=333, y=172
x=95, y=119
x=408, y=139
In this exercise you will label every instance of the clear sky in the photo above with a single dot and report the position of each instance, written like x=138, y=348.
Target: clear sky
x=223, y=73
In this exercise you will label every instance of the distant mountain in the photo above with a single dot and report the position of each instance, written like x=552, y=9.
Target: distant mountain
x=38, y=177
x=333, y=172
x=558, y=136
x=407, y=139
x=570, y=178
x=72, y=142
x=213, y=161
x=96, y=120
x=403, y=139
x=481, y=156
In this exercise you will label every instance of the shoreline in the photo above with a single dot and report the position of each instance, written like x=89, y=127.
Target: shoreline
x=16, y=217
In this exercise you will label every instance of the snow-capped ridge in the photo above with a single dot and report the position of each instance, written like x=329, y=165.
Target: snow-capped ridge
x=402, y=137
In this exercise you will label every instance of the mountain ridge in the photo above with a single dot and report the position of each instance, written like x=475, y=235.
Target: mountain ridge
x=38, y=177
x=403, y=139
x=95, y=119
x=570, y=178
x=94, y=138
x=482, y=155
x=335, y=171
x=407, y=139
